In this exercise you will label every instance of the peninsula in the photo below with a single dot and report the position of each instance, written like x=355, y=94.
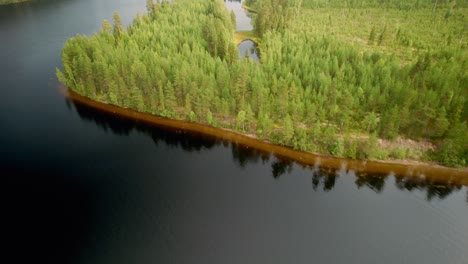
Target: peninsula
x=339, y=84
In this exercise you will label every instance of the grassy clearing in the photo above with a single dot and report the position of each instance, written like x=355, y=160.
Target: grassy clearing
x=403, y=33
x=240, y=36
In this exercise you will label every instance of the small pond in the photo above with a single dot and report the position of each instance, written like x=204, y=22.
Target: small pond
x=248, y=48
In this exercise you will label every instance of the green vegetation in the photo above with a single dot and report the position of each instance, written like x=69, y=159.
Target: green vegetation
x=6, y=2
x=397, y=4
x=240, y=36
x=338, y=77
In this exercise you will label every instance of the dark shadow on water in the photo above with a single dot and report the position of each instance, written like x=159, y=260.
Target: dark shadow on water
x=243, y=155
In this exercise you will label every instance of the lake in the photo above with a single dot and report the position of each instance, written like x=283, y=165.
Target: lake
x=81, y=186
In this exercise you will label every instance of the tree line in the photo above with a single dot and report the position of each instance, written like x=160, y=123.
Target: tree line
x=6, y=2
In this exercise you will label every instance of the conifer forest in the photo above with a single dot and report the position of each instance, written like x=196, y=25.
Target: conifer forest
x=350, y=78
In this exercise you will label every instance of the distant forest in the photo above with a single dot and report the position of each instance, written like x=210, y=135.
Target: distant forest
x=5, y=2
x=337, y=77
x=399, y=4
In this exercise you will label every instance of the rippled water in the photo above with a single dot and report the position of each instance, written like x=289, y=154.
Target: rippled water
x=80, y=186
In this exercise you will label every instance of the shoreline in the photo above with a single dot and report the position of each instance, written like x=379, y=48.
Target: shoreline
x=407, y=169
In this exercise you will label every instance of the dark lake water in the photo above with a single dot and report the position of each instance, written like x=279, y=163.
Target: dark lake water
x=79, y=186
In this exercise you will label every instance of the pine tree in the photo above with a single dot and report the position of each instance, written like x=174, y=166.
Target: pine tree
x=118, y=28
x=241, y=117
x=371, y=36
x=288, y=130
x=150, y=7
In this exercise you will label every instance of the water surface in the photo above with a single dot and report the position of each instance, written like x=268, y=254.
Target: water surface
x=80, y=186
x=248, y=48
x=243, y=20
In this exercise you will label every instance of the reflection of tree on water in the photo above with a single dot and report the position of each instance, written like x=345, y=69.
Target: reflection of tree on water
x=374, y=182
x=243, y=155
x=432, y=189
x=440, y=191
x=326, y=176
x=281, y=167
x=170, y=136
x=106, y=122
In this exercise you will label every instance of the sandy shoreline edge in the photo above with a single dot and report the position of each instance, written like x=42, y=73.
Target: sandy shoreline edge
x=418, y=171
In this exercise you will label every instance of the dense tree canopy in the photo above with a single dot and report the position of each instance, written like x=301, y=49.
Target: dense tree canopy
x=316, y=88
x=6, y=2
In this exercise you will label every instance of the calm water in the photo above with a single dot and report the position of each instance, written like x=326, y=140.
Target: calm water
x=79, y=186
x=243, y=22
x=248, y=48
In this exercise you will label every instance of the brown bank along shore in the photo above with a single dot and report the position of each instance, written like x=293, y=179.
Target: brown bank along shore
x=411, y=170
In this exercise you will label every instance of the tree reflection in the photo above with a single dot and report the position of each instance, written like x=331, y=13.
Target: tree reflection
x=123, y=126
x=244, y=155
x=440, y=191
x=374, y=182
x=280, y=167
x=325, y=176
x=104, y=121
x=432, y=189
x=409, y=184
